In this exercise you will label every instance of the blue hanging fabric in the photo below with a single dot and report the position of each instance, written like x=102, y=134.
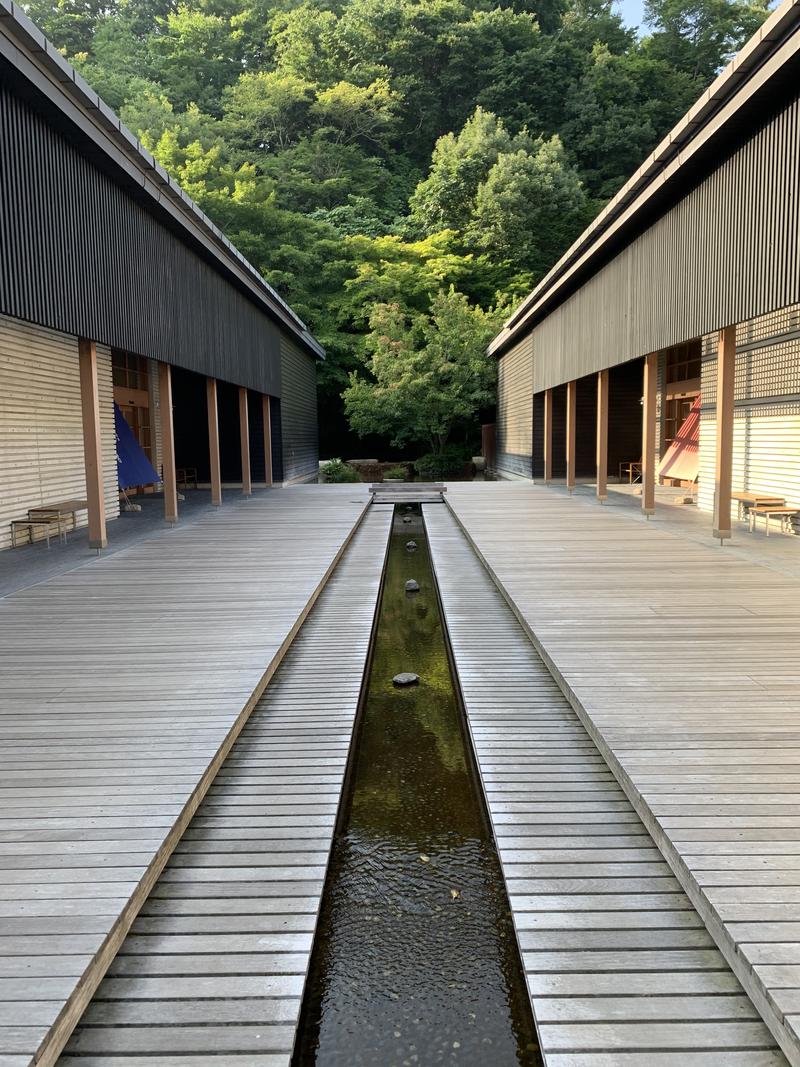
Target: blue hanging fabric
x=133, y=466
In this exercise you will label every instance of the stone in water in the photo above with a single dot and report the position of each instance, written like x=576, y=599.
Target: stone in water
x=412, y=586
x=411, y=546
x=406, y=678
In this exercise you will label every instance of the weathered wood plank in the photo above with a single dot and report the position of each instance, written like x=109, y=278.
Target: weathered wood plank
x=214, y=964
x=620, y=966
x=124, y=684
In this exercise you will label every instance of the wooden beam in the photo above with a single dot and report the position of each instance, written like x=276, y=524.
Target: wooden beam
x=723, y=468
x=267, y=419
x=649, y=434
x=167, y=443
x=572, y=395
x=244, y=440
x=602, y=436
x=92, y=443
x=548, y=435
x=213, y=441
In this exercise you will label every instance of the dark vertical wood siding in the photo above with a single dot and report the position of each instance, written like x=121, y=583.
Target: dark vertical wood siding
x=724, y=253
x=515, y=410
x=298, y=413
x=79, y=254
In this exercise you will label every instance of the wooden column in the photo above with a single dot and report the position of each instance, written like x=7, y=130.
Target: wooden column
x=167, y=443
x=649, y=434
x=213, y=441
x=548, y=435
x=602, y=436
x=244, y=440
x=267, y=417
x=92, y=443
x=572, y=394
x=723, y=469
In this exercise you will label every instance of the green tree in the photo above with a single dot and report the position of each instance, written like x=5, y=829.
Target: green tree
x=267, y=110
x=530, y=208
x=197, y=55
x=444, y=200
x=619, y=110
x=699, y=36
x=428, y=372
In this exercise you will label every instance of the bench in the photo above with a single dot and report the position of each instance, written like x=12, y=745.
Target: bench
x=48, y=522
x=784, y=514
x=756, y=500
x=59, y=511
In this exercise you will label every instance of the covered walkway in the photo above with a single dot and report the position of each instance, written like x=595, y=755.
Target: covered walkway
x=683, y=663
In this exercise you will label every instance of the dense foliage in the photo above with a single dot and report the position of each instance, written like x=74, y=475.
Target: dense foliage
x=394, y=167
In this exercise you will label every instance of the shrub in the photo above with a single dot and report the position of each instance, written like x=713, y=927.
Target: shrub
x=439, y=464
x=335, y=470
x=396, y=472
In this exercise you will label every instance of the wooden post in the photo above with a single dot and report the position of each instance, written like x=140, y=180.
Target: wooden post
x=213, y=441
x=723, y=470
x=244, y=439
x=572, y=393
x=602, y=436
x=167, y=443
x=548, y=435
x=267, y=440
x=92, y=443
x=649, y=434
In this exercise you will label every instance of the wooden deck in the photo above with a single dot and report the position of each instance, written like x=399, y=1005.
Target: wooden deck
x=683, y=663
x=620, y=968
x=124, y=684
x=214, y=966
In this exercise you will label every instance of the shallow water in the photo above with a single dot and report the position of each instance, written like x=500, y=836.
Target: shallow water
x=415, y=960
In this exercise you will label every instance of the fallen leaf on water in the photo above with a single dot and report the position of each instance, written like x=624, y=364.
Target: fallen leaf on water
x=424, y=858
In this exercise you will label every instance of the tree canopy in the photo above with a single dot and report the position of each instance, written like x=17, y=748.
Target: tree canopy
x=396, y=168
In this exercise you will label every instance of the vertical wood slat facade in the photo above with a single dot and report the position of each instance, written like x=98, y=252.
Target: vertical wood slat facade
x=298, y=414
x=515, y=411
x=726, y=252
x=41, y=434
x=169, y=304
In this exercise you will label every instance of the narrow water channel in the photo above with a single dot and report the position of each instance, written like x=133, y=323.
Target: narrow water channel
x=415, y=960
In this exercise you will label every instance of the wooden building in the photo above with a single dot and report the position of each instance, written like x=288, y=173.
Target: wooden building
x=686, y=285
x=115, y=287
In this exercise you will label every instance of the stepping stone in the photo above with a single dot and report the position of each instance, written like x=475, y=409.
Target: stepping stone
x=411, y=546
x=412, y=586
x=406, y=678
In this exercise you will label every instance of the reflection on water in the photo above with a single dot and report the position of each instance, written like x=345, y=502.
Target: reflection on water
x=415, y=960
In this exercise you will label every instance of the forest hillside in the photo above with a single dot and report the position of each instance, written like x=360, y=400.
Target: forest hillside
x=400, y=170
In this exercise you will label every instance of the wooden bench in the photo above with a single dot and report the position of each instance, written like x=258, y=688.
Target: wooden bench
x=756, y=500
x=784, y=514
x=48, y=522
x=60, y=511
